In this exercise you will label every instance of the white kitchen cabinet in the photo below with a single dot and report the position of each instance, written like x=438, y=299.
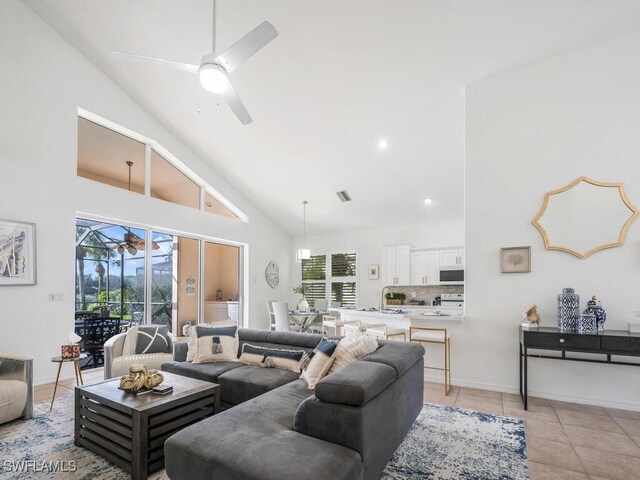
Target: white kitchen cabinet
x=425, y=267
x=396, y=264
x=452, y=256
x=215, y=311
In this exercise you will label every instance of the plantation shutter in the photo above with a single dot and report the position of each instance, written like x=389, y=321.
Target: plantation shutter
x=344, y=292
x=314, y=274
x=343, y=265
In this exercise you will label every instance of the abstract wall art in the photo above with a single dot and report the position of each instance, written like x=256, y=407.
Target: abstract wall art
x=17, y=253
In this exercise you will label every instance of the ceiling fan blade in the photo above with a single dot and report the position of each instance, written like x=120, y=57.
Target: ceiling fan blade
x=234, y=102
x=244, y=48
x=130, y=57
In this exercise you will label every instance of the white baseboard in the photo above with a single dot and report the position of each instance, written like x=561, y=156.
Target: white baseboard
x=535, y=393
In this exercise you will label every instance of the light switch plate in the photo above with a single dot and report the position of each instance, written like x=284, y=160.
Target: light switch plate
x=56, y=297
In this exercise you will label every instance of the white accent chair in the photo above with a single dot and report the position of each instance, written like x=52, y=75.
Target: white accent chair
x=419, y=334
x=16, y=387
x=119, y=354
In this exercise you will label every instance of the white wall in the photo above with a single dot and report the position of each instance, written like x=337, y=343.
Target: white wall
x=368, y=244
x=528, y=132
x=43, y=81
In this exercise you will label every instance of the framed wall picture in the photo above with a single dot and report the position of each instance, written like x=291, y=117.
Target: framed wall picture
x=515, y=260
x=374, y=272
x=17, y=253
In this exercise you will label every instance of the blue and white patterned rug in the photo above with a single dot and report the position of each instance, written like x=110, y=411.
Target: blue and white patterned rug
x=454, y=443
x=444, y=443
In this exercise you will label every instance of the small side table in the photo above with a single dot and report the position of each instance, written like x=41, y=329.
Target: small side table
x=76, y=369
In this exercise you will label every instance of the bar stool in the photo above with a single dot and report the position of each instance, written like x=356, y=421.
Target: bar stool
x=353, y=326
x=438, y=336
x=381, y=330
x=331, y=321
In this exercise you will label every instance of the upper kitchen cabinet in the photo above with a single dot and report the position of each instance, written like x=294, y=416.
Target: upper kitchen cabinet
x=425, y=267
x=396, y=264
x=452, y=256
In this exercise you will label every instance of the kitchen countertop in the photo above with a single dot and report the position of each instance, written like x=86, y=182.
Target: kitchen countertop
x=407, y=315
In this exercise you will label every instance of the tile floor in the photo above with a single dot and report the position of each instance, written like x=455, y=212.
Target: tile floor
x=564, y=440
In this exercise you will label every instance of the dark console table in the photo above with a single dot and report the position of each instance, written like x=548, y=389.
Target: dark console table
x=606, y=343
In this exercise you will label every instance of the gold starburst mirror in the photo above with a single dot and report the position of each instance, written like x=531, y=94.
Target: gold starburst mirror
x=584, y=217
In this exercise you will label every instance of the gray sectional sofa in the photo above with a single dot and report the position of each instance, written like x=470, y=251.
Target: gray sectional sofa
x=275, y=428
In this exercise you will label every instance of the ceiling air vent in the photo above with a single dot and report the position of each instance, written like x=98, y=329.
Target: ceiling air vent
x=343, y=196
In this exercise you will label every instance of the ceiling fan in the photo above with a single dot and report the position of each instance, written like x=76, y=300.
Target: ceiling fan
x=214, y=69
x=132, y=243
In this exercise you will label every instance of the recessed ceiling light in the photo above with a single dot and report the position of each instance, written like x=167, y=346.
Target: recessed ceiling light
x=428, y=201
x=382, y=144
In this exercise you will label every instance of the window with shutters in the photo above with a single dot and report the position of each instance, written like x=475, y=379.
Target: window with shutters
x=343, y=279
x=314, y=275
x=331, y=277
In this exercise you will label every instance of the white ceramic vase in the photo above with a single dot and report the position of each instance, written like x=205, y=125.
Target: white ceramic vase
x=303, y=305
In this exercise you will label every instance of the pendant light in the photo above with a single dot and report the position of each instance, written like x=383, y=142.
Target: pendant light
x=304, y=253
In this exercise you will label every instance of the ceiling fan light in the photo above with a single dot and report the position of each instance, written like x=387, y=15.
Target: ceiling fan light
x=121, y=250
x=213, y=78
x=132, y=250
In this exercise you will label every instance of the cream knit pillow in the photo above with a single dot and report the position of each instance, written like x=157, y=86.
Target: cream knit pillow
x=351, y=349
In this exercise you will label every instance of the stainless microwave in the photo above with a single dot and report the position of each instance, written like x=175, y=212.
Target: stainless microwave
x=453, y=275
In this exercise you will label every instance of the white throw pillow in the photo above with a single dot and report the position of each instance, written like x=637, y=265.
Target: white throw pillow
x=322, y=358
x=215, y=344
x=352, y=348
x=192, y=342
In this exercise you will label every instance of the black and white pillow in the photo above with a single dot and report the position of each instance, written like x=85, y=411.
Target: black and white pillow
x=152, y=339
x=215, y=344
x=320, y=362
x=272, y=357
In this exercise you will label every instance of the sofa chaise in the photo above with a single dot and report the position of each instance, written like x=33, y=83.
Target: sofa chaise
x=275, y=428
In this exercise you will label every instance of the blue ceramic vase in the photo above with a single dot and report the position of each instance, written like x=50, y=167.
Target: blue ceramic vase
x=594, y=307
x=568, y=310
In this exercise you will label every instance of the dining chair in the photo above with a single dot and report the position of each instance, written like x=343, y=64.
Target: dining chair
x=272, y=317
x=281, y=315
x=336, y=304
x=420, y=334
x=321, y=304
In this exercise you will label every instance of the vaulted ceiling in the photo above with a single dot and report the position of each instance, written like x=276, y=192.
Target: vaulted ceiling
x=340, y=76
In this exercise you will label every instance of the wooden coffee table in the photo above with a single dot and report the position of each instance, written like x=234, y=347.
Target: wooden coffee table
x=130, y=430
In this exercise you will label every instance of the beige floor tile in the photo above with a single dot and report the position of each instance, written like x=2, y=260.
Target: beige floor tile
x=616, y=412
x=545, y=430
x=515, y=398
x=629, y=425
x=540, y=471
x=556, y=454
x=636, y=438
x=46, y=394
x=535, y=412
x=480, y=393
x=602, y=440
x=481, y=404
x=440, y=398
x=610, y=465
x=577, y=407
x=589, y=420
x=439, y=387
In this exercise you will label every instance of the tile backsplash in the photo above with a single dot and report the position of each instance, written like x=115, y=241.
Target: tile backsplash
x=426, y=293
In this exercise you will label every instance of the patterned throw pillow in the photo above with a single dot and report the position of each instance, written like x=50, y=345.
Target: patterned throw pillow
x=320, y=361
x=215, y=344
x=152, y=339
x=351, y=349
x=192, y=341
x=272, y=357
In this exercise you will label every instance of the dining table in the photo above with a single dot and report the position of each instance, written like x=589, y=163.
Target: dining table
x=310, y=321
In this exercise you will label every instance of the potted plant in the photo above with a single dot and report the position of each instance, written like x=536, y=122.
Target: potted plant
x=395, y=298
x=303, y=305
